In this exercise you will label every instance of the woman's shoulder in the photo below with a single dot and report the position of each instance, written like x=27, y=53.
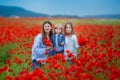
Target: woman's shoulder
x=39, y=36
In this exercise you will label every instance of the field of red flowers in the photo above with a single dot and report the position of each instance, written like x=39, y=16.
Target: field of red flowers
x=98, y=58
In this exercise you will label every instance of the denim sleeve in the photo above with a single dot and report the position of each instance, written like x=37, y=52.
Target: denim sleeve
x=63, y=38
x=75, y=41
x=37, y=48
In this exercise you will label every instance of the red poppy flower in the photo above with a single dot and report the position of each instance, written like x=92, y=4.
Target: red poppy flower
x=67, y=51
x=54, y=49
x=5, y=68
x=70, y=55
x=47, y=42
x=82, y=41
x=56, y=66
x=39, y=61
x=8, y=78
x=46, y=53
x=8, y=62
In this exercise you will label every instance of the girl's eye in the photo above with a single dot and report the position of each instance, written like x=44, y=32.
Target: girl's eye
x=68, y=28
x=47, y=26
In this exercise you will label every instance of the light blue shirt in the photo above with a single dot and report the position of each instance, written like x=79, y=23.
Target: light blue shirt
x=38, y=49
x=56, y=39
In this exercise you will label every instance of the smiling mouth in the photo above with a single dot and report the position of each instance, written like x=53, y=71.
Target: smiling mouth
x=47, y=29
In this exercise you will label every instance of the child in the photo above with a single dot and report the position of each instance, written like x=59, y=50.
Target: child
x=58, y=40
x=71, y=43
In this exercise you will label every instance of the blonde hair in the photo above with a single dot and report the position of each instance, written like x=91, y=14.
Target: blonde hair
x=58, y=26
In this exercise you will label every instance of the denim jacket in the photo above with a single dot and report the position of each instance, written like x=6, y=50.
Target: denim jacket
x=60, y=39
x=38, y=49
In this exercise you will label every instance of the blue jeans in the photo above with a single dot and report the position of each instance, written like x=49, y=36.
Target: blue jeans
x=51, y=53
x=35, y=64
x=61, y=52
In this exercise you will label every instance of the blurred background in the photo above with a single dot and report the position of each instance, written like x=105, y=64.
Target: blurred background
x=97, y=27
x=61, y=8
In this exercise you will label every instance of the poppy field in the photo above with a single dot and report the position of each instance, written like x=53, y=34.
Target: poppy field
x=98, y=57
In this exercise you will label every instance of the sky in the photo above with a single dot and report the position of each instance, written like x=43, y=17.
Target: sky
x=67, y=7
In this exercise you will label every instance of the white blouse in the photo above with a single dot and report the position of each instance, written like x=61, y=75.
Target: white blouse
x=71, y=43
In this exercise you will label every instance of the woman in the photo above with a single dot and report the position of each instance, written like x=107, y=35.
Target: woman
x=41, y=50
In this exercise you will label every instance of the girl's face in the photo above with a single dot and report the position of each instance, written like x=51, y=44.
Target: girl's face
x=58, y=30
x=47, y=28
x=68, y=28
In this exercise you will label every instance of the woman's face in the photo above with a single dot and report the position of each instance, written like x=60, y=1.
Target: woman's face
x=68, y=28
x=47, y=27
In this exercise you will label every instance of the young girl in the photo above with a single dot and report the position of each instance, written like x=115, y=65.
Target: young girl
x=58, y=40
x=71, y=43
x=41, y=50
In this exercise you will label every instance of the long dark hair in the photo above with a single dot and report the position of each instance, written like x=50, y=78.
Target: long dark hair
x=72, y=32
x=43, y=31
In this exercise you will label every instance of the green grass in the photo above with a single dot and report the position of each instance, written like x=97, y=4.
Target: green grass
x=4, y=52
x=40, y=21
x=4, y=55
x=85, y=21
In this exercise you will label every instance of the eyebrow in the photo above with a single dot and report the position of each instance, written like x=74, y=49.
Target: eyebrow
x=47, y=26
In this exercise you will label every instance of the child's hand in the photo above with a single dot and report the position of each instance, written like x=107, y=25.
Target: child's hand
x=49, y=47
x=62, y=43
